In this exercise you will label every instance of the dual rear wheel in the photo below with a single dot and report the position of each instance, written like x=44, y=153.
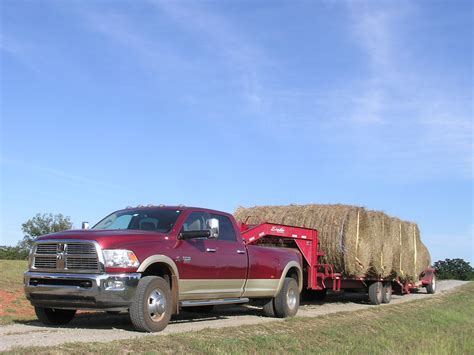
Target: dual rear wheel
x=286, y=302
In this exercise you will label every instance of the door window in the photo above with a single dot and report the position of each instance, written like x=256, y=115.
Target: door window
x=226, y=228
x=196, y=221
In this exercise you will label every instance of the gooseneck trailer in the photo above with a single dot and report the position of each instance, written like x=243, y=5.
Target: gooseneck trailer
x=319, y=277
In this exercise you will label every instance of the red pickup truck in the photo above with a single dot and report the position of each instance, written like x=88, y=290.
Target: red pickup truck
x=153, y=261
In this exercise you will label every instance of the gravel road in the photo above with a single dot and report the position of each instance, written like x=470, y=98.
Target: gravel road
x=100, y=327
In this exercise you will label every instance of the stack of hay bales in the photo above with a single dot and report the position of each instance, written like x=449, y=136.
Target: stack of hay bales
x=356, y=241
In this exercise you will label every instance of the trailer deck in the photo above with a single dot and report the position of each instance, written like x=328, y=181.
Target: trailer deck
x=320, y=276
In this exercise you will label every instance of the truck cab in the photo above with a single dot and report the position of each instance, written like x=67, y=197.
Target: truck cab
x=153, y=261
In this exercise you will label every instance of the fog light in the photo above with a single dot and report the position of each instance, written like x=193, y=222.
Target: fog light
x=114, y=285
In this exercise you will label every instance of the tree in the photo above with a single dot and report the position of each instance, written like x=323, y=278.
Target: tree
x=454, y=269
x=42, y=224
x=12, y=253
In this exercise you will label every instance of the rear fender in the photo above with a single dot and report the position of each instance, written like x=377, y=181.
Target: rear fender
x=290, y=265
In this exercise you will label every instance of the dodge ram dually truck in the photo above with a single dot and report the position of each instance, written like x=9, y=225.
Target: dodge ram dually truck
x=152, y=261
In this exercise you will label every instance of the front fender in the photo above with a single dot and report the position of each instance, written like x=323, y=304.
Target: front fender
x=159, y=259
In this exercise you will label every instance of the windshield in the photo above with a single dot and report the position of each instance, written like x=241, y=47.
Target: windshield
x=149, y=220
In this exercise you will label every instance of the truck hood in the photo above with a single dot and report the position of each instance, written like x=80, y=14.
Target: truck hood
x=109, y=238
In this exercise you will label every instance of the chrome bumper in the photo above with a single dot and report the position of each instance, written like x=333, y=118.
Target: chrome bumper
x=80, y=291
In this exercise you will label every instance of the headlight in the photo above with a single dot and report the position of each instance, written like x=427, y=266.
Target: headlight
x=120, y=258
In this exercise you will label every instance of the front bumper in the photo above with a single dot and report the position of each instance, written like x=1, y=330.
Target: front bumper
x=80, y=291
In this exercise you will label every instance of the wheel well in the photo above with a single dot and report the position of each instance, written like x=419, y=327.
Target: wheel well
x=294, y=274
x=159, y=269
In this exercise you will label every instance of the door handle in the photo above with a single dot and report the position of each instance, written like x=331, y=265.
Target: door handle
x=211, y=250
x=239, y=251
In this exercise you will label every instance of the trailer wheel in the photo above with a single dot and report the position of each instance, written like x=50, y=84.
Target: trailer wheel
x=288, y=299
x=375, y=293
x=151, y=308
x=53, y=316
x=387, y=293
x=431, y=288
x=269, y=308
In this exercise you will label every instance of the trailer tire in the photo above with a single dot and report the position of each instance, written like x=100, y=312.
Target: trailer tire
x=269, y=308
x=387, y=293
x=151, y=308
x=287, y=301
x=53, y=316
x=431, y=288
x=375, y=293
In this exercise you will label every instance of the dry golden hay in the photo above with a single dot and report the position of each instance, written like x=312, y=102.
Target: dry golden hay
x=357, y=242
x=382, y=237
x=343, y=230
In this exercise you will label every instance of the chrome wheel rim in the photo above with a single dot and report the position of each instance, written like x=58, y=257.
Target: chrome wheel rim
x=156, y=305
x=291, y=298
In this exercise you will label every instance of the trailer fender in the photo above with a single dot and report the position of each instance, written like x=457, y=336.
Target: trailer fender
x=288, y=267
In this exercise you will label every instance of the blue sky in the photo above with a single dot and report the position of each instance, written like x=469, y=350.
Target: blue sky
x=219, y=104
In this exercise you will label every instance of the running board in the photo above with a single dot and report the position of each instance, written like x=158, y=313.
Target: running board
x=213, y=302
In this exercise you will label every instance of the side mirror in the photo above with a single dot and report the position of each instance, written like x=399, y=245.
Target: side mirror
x=85, y=225
x=184, y=235
x=213, y=225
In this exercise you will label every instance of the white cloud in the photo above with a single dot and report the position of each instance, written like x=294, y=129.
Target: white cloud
x=58, y=174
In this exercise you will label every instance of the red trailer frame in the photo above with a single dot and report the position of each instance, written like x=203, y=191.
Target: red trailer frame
x=321, y=276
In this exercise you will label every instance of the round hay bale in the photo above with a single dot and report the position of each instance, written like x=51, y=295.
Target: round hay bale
x=343, y=230
x=382, y=238
x=423, y=259
x=396, y=241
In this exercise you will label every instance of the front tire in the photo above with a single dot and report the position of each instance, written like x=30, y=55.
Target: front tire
x=152, y=306
x=53, y=316
x=287, y=301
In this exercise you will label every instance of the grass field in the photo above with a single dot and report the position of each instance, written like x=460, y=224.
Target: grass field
x=440, y=325
x=13, y=304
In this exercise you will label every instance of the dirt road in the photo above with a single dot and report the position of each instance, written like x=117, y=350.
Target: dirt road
x=99, y=327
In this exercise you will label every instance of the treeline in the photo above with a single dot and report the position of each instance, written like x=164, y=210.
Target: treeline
x=40, y=224
x=13, y=253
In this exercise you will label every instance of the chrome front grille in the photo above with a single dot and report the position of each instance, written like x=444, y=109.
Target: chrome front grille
x=80, y=248
x=47, y=248
x=65, y=256
x=45, y=262
x=78, y=263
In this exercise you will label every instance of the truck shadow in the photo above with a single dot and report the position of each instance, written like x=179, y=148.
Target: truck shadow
x=121, y=321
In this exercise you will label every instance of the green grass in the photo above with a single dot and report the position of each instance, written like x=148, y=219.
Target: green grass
x=12, y=273
x=440, y=325
x=15, y=307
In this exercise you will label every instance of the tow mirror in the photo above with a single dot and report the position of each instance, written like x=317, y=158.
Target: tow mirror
x=184, y=235
x=85, y=225
x=213, y=225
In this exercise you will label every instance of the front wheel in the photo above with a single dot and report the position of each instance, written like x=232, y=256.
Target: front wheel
x=53, y=316
x=152, y=306
x=287, y=301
